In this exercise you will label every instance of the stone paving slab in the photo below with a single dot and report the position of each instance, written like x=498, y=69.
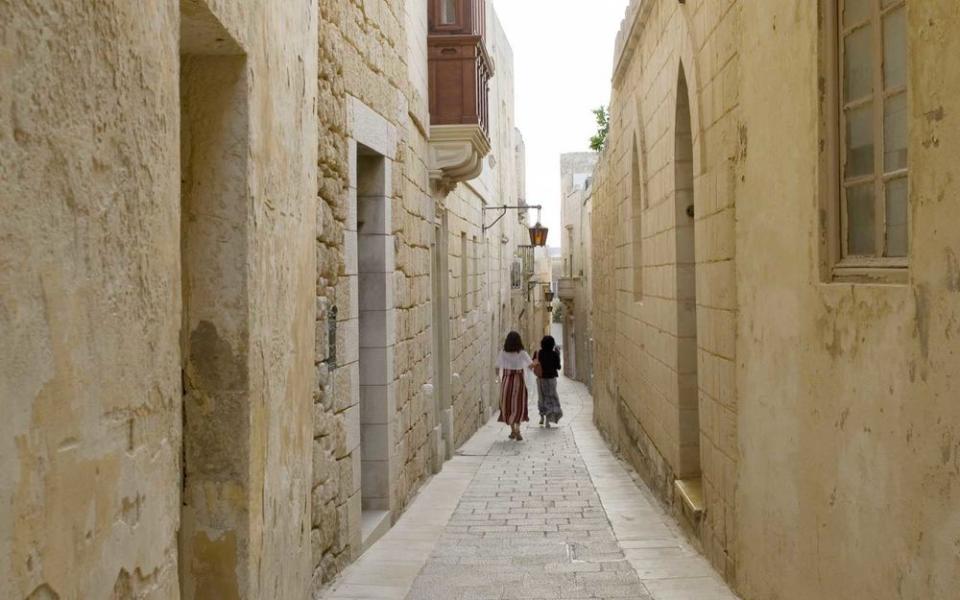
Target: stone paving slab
x=668, y=566
x=554, y=516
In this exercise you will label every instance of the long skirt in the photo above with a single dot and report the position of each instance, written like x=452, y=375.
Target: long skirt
x=513, y=398
x=549, y=401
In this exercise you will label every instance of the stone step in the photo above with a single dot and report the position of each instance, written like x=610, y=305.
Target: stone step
x=374, y=524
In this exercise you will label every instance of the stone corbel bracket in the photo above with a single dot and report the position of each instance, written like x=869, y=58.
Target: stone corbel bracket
x=456, y=154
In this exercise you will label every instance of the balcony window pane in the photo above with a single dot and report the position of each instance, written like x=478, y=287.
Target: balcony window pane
x=858, y=64
x=895, y=133
x=859, y=141
x=856, y=11
x=897, y=233
x=861, y=221
x=448, y=12
x=895, y=49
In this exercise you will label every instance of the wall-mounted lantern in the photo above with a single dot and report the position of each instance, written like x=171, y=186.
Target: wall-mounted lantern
x=538, y=233
x=548, y=295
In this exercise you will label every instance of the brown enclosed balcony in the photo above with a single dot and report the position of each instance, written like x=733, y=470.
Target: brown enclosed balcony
x=460, y=70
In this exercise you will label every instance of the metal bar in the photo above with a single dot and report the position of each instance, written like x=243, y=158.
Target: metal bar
x=503, y=212
x=484, y=228
x=536, y=206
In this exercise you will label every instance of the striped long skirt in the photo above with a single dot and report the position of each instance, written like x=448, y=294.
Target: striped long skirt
x=513, y=398
x=549, y=402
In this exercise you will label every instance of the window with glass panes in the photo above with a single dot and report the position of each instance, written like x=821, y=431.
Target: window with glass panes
x=448, y=12
x=873, y=129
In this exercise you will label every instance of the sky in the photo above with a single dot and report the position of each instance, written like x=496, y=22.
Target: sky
x=563, y=61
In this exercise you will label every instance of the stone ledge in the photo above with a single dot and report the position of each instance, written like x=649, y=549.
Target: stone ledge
x=690, y=492
x=456, y=154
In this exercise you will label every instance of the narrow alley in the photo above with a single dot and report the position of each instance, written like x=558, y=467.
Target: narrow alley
x=270, y=270
x=553, y=516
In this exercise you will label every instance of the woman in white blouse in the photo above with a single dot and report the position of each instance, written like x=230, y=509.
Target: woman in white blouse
x=513, y=389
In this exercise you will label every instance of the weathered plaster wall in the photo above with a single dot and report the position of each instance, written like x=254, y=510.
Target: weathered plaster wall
x=641, y=404
x=849, y=424
x=91, y=357
x=91, y=300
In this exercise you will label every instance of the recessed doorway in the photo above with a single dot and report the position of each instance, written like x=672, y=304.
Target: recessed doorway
x=687, y=352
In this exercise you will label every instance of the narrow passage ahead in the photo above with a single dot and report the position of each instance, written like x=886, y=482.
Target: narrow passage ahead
x=554, y=516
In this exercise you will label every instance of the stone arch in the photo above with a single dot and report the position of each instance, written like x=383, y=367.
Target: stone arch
x=688, y=385
x=686, y=60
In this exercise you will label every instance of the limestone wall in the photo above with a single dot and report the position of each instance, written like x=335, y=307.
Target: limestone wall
x=373, y=98
x=576, y=171
x=849, y=425
x=651, y=407
x=369, y=102
x=93, y=302
x=827, y=437
x=477, y=322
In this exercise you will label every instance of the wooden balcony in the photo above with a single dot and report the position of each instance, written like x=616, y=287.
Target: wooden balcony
x=460, y=70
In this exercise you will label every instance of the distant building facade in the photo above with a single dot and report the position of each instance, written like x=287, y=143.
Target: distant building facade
x=574, y=288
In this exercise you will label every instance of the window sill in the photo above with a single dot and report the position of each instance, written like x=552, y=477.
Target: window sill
x=875, y=274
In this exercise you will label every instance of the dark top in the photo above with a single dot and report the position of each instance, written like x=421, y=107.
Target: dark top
x=549, y=362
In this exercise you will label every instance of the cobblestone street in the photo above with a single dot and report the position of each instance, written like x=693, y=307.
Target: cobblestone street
x=554, y=516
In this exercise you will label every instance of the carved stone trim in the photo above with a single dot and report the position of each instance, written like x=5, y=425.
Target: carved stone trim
x=456, y=154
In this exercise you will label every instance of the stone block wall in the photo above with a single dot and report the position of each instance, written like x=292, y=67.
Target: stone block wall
x=827, y=440
x=373, y=70
x=366, y=73
x=332, y=477
x=642, y=405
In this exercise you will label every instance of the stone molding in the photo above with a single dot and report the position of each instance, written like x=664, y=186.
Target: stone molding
x=456, y=154
x=636, y=15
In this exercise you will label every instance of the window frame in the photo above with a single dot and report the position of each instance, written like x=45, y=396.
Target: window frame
x=458, y=22
x=836, y=264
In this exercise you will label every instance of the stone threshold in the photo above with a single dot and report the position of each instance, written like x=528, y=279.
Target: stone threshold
x=374, y=524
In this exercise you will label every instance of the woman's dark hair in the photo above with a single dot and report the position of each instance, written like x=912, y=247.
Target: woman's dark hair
x=514, y=342
x=548, y=343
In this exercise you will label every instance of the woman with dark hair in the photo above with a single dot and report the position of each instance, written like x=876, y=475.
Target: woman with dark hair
x=513, y=390
x=547, y=367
